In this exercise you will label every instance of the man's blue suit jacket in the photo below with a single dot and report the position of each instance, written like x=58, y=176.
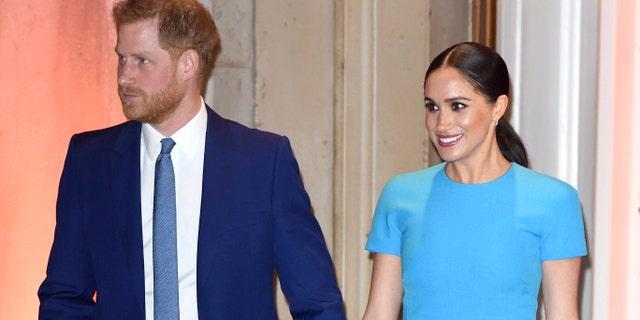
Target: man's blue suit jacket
x=255, y=217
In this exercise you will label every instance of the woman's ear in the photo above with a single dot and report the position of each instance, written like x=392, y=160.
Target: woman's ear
x=500, y=107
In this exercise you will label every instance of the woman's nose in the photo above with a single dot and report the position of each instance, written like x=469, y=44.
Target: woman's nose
x=443, y=121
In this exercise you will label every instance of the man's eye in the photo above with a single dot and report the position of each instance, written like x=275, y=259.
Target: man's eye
x=144, y=60
x=431, y=107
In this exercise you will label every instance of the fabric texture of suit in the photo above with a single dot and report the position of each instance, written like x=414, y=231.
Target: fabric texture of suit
x=255, y=217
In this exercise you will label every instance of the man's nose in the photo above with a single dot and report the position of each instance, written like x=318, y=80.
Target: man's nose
x=126, y=74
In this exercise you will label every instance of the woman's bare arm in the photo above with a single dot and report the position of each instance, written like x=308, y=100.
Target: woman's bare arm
x=385, y=295
x=560, y=279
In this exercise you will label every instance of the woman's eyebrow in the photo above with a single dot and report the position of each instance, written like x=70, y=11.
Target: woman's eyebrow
x=452, y=99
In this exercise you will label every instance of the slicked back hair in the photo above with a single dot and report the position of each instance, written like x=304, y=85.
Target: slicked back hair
x=487, y=72
x=182, y=25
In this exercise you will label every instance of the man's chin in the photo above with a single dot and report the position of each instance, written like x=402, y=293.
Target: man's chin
x=130, y=113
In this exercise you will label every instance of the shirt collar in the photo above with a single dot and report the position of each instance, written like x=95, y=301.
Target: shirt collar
x=187, y=139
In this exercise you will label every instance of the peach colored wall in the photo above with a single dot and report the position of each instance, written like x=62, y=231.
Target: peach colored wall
x=57, y=77
x=620, y=174
x=625, y=57
x=616, y=256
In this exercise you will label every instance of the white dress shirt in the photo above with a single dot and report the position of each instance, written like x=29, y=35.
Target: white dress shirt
x=188, y=159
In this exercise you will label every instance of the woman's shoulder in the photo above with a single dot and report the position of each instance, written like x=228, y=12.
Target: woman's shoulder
x=419, y=178
x=420, y=175
x=539, y=182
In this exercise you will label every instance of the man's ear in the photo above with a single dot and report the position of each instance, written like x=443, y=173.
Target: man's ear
x=190, y=64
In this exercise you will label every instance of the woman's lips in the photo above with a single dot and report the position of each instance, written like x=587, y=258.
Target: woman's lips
x=446, y=141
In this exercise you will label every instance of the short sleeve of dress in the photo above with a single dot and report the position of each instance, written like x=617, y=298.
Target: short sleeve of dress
x=563, y=234
x=385, y=236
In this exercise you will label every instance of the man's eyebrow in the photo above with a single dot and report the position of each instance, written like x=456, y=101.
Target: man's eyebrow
x=134, y=54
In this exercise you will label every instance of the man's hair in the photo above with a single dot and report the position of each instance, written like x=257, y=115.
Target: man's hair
x=182, y=25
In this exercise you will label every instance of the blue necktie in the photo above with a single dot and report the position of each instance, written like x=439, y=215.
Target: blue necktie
x=165, y=256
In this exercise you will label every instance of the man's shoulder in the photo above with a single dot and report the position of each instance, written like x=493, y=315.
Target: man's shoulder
x=127, y=126
x=107, y=137
x=221, y=126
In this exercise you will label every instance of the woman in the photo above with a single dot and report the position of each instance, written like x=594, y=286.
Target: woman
x=475, y=236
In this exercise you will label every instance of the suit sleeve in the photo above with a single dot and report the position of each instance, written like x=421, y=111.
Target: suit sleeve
x=302, y=260
x=68, y=289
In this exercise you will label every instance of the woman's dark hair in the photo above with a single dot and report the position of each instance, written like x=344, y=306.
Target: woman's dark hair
x=488, y=74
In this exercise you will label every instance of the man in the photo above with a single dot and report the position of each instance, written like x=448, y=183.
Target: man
x=239, y=205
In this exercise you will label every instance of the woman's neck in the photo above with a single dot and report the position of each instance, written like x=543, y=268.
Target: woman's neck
x=476, y=172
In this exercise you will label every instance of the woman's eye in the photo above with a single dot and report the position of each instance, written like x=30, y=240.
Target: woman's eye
x=431, y=107
x=458, y=106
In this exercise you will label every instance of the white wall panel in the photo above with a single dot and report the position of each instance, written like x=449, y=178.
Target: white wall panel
x=550, y=49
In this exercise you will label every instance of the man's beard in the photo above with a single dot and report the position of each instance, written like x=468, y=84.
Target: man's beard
x=153, y=109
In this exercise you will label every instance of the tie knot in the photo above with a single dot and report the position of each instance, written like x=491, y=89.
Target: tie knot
x=167, y=145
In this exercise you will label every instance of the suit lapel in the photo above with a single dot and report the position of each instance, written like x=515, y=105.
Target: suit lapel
x=124, y=175
x=216, y=178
